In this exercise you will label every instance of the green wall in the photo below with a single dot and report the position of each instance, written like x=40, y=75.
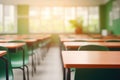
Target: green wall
x=104, y=19
x=23, y=19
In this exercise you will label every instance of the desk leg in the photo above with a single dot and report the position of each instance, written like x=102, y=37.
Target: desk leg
x=24, y=78
x=64, y=74
x=33, y=61
x=68, y=74
x=33, y=65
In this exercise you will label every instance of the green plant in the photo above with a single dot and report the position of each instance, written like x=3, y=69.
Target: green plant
x=77, y=22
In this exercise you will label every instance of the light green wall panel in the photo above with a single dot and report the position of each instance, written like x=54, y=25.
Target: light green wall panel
x=23, y=10
x=23, y=19
x=115, y=28
x=102, y=17
x=23, y=25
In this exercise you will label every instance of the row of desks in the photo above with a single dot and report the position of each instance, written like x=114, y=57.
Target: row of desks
x=30, y=40
x=88, y=38
x=78, y=44
x=89, y=59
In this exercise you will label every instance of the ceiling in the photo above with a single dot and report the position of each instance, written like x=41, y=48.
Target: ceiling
x=56, y=2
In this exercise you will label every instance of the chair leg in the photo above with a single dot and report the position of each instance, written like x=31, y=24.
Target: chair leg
x=23, y=69
x=24, y=78
x=27, y=72
x=38, y=57
x=33, y=65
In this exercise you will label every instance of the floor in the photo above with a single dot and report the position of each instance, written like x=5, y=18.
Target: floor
x=49, y=69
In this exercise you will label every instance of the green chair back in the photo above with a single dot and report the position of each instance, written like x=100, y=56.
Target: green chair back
x=74, y=48
x=93, y=48
x=113, y=40
x=79, y=40
x=2, y=66
x=17, y=56
x=96, y=73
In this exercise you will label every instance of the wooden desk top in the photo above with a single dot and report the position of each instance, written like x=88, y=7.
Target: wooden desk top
x=26, y=38
x=2, y=53
x=86, y=39
x=29, y=40
x=5, y=40
x=77, y=44
x=91, y=59
x=12, y=45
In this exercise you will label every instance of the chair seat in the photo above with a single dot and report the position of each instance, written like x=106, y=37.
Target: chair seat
x=17, y=63
x=17, y=58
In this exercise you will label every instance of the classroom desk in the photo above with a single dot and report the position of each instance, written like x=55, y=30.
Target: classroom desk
x=104, y=37
x=31, y=44
x=5, y=40
x=15, y=46
x=2, y=53
x=12, y=45
x=86, y=39
x=90, y=59
x=78, y=44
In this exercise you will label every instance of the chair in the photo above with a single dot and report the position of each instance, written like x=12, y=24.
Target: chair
x=74, y=47
x=32, y=50
x=2, y=66
x=113, y=40
x=80, y=40
x=93, y=48
x=17, y=59
x=33, y=53
x=96, y=73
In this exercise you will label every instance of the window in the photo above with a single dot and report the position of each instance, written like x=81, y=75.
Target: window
x=69, y=14
x=46, y=19
x=7, y=19
x=56, y=19
x=1, y=18
x=83, y=13
x=93, y=20
x=34, y=21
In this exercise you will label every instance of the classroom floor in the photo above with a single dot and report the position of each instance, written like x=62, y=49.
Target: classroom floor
x=49, y=69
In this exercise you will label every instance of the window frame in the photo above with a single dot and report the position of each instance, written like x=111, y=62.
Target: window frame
x=65, y=27
x=3, y=19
